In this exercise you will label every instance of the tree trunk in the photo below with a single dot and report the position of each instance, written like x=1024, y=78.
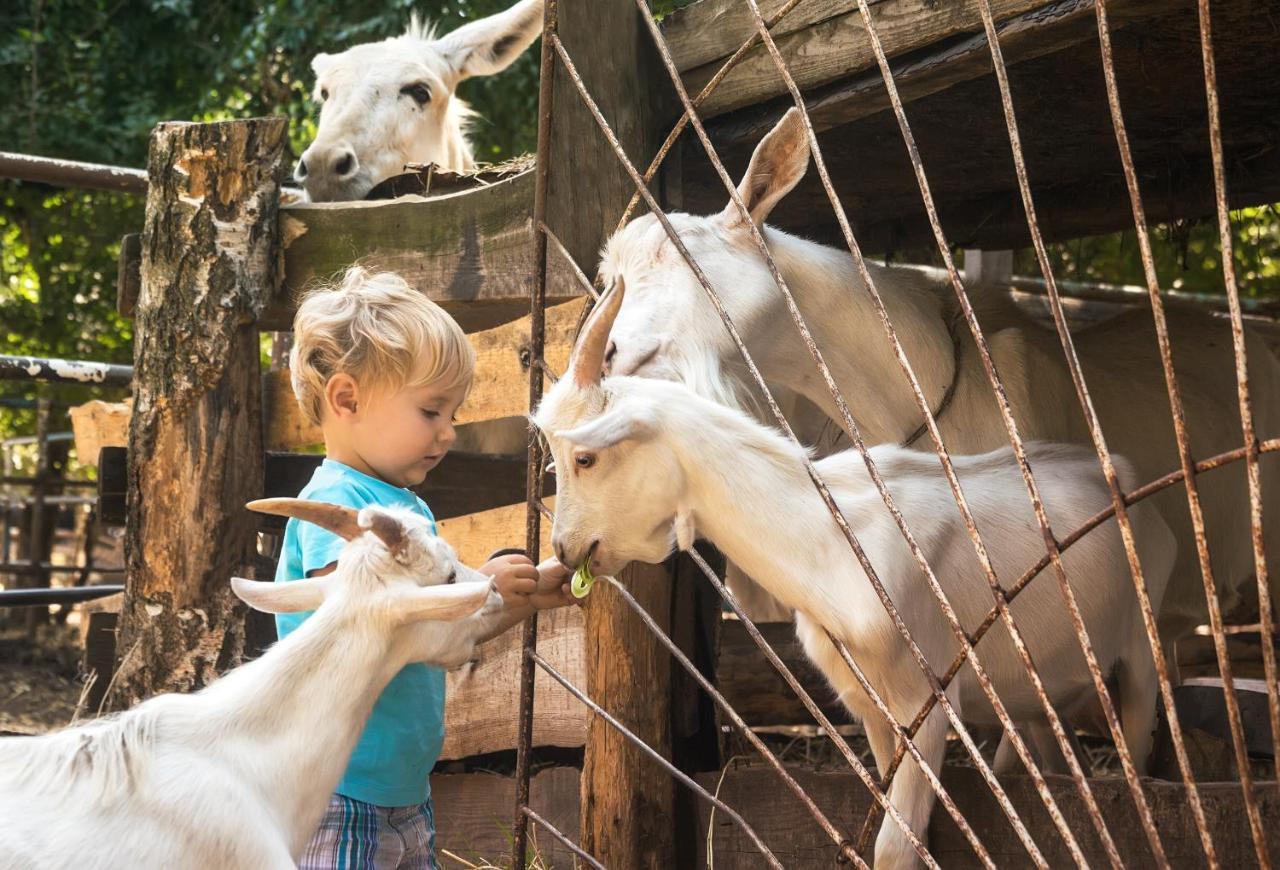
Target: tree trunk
x=209, y=261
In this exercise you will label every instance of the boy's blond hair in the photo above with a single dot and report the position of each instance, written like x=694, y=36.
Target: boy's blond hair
x=376, y=328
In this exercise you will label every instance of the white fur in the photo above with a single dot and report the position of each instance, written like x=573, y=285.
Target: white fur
x=239, y=774
x=657, y=456
x=367, y=117
x=668, y=329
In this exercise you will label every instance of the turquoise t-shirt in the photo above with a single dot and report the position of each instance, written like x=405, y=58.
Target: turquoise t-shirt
x=401, y=742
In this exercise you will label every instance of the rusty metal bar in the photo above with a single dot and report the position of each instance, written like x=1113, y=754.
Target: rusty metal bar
x=568, y=258
x=1242, y=377
x=533, y=469
x=559, y=835
x=662, y=762
x=851, y=428
x=72, y=173
x=1180, y=434
x=64, y=371
x=723, y=703
x=819, y=484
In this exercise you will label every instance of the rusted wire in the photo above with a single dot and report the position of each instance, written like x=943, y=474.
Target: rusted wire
x=568, y=258
x=1180, y=434
x=559, y=835
x=851, y=428
x=1242, y=377
x=656, y=756
x=723, y=703
x=825, y=494
x=533, y=470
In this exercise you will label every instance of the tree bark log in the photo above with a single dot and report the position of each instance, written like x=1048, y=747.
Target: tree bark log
x=210, y=259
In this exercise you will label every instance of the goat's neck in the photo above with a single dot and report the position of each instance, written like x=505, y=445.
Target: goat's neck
x=750, y=495
x=848, y=331
x=300, y=709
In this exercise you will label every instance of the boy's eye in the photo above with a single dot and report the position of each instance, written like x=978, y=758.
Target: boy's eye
x=431, y=415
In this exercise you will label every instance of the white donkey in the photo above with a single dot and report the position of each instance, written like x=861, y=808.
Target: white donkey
x=645, y=465
x=667, y=328
x=393, y=102
x=238, y=775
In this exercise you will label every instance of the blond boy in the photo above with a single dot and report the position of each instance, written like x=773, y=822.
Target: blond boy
x=382, y=370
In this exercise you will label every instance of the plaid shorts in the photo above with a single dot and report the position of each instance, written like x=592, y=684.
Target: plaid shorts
x=354, y=835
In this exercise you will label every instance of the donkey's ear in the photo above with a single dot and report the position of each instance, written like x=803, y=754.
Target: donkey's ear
x=778, y=164
x=491, y=44
x=320, y=63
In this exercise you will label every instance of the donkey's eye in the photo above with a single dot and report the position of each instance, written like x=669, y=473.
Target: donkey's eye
x=419, y=91
x=324, y=94
x=584, y=460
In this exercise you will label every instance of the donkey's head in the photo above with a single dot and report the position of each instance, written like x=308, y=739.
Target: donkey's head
x=667, y=327
x=385, y=104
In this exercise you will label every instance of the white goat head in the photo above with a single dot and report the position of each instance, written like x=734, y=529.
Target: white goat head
x=395, y=570
x=385, y=104
x=668, y=328
x=604, y=448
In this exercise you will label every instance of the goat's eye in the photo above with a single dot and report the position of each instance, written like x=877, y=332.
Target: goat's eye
x=584, y=460
x=453, y=576
x=419, y=91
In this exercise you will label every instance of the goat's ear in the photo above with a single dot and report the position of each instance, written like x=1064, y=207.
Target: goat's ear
x=778, y=164
x=291, y=597
x=441, y=603
x=389, y=529
x=491, y=44
x=613, y=427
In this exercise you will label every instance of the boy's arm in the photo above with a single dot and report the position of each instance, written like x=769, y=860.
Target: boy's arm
x=526, y=588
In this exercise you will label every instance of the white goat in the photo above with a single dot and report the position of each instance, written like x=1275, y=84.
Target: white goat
x=644, y=465
x=388, y=103
x=667, y=328
x=238, y=775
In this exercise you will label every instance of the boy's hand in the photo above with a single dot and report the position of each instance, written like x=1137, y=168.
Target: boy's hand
x=516, y=577
x=553, y=586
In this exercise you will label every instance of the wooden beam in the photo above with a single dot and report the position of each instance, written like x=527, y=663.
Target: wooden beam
x=471, y=251
x=709, y=31
x=195, y=442
x=788, y=828
x=484, y=701
x=476, y=536
x=472, y=813
x=839, y=47
x=99, y=424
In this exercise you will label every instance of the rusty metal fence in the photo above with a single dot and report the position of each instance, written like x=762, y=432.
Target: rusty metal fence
x=851, y=845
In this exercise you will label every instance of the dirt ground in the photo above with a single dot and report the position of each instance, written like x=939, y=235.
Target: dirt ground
x=39, y=682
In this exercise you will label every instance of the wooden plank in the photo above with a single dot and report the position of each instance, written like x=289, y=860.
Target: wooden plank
x=470, y=251
x=99, y=424
x=476, y=536
x=756, y=690
x=788, y=829
x=195, y=443
x=711, y=30
x=473, y=816
x=839, y=47
x=483, y=702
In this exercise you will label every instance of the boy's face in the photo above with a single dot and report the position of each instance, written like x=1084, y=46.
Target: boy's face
x=402, y=435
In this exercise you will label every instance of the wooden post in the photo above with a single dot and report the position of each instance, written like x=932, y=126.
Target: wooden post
x=209, y=259
x=627, y=811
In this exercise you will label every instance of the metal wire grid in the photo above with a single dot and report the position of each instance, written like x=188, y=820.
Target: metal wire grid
x=552, y=48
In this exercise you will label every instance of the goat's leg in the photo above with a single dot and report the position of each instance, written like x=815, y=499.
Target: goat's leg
x=910, y=793
x=1136, y=678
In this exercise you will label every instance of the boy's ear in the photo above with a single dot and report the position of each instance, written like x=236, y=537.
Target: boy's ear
x=342, y=395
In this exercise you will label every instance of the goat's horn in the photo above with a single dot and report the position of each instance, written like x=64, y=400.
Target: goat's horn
x=588, y=356
x=387, y=528
x=337, y=519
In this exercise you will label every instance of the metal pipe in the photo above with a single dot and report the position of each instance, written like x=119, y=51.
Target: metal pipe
x=64, y=371
x=45, y=597
x=72, y=173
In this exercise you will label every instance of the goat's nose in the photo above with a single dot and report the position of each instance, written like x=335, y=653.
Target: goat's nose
x=345, y=164
x=559, y=548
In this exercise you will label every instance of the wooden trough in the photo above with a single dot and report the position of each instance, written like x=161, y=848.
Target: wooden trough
x=210, y=430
